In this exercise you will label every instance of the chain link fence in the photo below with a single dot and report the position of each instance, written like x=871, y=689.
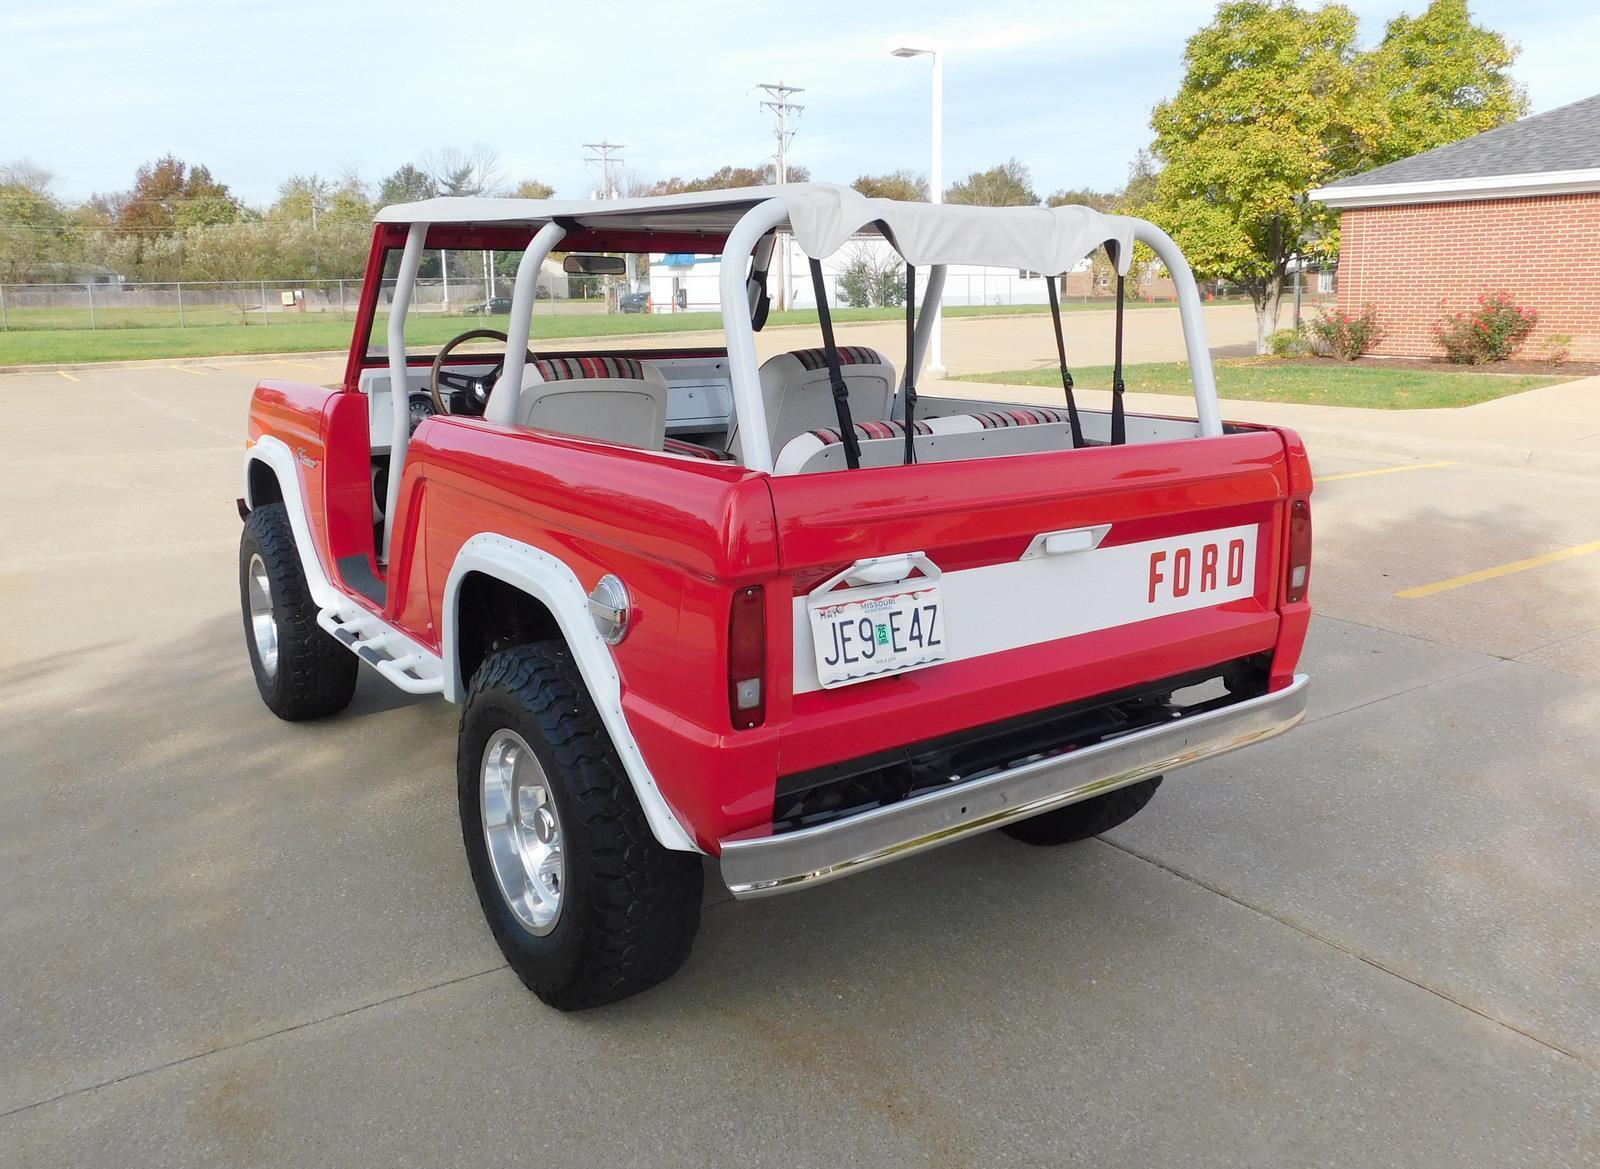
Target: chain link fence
x=192, y=304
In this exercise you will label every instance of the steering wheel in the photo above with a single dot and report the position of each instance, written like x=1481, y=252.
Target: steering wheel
x=473, y=389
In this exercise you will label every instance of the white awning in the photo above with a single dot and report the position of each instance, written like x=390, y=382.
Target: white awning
x=822, y=217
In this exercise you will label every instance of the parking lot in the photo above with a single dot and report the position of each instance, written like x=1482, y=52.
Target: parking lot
x=1374, y=941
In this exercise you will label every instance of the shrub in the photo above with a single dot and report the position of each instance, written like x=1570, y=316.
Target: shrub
x=1490, y=332
x=1289, y=343
x=1557, y=348
x=1344, y=336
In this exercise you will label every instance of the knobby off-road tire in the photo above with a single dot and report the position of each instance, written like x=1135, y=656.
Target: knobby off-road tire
x=313, y=675
x=1089, y=818
x=628, y=908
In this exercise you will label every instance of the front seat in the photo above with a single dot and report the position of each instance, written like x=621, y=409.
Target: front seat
x=799, y=397
x=615, y=399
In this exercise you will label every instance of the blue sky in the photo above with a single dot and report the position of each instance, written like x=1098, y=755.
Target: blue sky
x=256, y=91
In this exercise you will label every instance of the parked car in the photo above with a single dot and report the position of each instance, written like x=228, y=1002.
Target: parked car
x=845, y=626
x=633, y=302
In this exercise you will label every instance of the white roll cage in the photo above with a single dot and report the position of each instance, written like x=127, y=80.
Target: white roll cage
x=753, y=227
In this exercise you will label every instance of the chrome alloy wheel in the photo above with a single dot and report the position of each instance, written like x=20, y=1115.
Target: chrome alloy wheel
x=263, y=625
x=522, y=831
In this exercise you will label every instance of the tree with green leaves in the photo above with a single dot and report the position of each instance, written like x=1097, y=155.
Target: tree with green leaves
x=906, y=185
x=1008, y=185
x=32, y=221
x=408, y=184
x=1441, y=78
x=1085, y=197
x=533, y=189
x=728, y=178
x=1277, y=100
x=302, y=198
x=1271, y=105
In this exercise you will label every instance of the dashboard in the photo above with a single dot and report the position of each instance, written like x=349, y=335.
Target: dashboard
x=699, y=395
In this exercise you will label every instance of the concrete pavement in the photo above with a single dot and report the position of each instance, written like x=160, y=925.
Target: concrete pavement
x=232, y=941
x=1555, y=428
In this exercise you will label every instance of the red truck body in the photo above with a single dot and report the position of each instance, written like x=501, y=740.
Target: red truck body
x=1083, y=591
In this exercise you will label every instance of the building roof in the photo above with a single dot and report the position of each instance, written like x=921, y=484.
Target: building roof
x=822, y=217
x=1556, y=152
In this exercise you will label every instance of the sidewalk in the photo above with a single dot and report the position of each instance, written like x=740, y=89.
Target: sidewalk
x=1556, y=428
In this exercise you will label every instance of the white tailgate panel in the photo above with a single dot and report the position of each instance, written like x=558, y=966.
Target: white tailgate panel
x=1024, y=602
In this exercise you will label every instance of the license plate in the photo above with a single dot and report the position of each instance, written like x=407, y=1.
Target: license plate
x=862, y=634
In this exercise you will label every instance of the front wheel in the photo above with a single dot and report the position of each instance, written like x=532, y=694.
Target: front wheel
x=1087, y=818
x=585, y=903
x=300, y=670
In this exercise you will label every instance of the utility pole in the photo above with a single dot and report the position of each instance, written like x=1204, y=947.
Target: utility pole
x=778, y=102
x=605, y=153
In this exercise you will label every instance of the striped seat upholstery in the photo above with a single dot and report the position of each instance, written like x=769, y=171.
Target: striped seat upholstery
x=885, y=428
x=1019, y=416
x=693, y=450
x=848, y=355
x=557, y=369
x=949, y=432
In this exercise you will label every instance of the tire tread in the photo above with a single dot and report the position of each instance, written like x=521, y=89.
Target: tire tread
x=640, y=902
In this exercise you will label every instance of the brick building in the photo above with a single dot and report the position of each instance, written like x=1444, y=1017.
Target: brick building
x=1515, y=209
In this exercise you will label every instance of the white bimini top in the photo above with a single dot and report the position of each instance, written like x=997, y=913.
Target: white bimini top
x=822, y=217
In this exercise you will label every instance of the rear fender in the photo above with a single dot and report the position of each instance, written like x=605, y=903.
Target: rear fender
x=551, y=582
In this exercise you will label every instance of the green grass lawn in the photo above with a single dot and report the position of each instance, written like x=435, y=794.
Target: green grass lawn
x=62, y=336
x=1329, y=383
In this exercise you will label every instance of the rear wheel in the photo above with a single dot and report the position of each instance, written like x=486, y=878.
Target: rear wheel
x=300, y=670
x=585, y=903
x=1085, y=819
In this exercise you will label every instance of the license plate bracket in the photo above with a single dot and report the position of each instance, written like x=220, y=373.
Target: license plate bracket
x=876, y=630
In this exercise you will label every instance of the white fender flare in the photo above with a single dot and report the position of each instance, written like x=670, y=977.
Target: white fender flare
x=275, y=454
x=551, y=582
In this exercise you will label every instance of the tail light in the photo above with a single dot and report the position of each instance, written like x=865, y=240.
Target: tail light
x=1299, y=574
x=747, y=658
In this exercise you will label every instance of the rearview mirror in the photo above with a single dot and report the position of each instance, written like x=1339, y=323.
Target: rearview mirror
x=594, y=265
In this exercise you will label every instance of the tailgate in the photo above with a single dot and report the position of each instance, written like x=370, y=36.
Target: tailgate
x=1164, y=561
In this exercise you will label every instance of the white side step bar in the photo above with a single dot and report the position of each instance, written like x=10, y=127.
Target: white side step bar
x=391, y=653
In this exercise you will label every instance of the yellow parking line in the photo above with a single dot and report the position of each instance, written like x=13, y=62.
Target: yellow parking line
x=301, y=364
x=1456, y=582
x=186, y=369
x=65, y=374
x=1381, y=471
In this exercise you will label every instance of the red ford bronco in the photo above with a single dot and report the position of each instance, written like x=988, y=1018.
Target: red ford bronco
x=784, y=614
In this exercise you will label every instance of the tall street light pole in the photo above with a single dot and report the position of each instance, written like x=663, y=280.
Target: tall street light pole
x=910, y=48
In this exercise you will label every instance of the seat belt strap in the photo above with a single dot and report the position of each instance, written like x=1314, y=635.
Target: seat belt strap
x=1119, y=432
x=1066, y=374
x=911, y=366
x=841, y=392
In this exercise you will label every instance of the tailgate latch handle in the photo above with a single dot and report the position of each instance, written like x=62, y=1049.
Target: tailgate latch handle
x=1066, y=541
x=874, y=570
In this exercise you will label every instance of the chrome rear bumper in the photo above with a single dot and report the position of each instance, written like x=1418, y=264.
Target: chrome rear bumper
x=759, y=866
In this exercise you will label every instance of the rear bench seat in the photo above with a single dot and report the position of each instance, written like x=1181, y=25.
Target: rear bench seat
x=810, y=451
